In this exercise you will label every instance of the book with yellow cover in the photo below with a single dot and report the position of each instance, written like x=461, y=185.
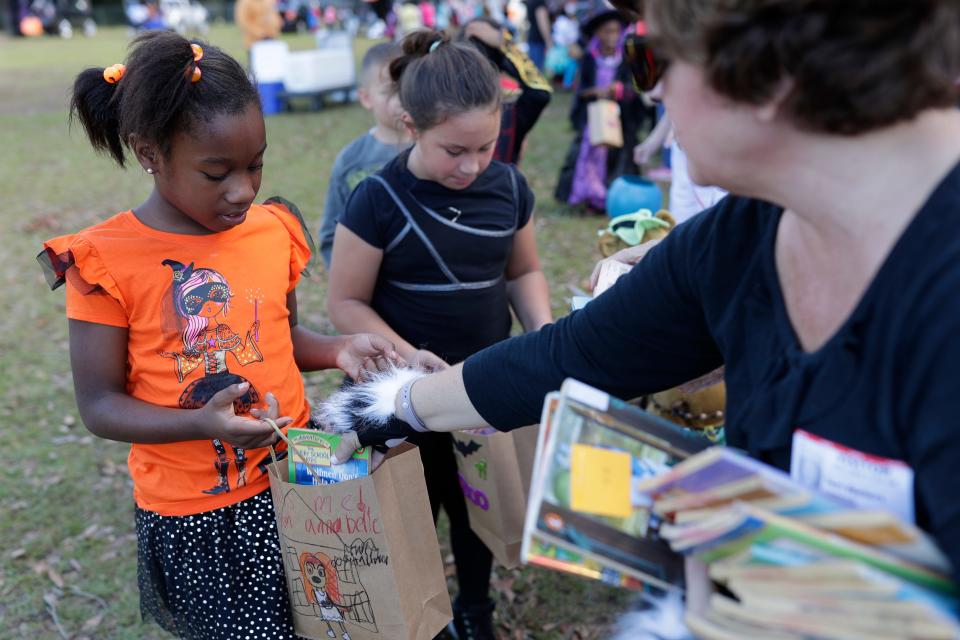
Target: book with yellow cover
x=584, y=515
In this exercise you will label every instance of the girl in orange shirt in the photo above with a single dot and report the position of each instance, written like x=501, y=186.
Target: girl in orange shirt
x=168, y=304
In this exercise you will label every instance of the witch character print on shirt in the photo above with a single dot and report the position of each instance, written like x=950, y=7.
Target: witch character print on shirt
x=201, y=302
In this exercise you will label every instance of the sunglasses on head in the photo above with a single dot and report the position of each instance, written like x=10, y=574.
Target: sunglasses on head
x=646, y=64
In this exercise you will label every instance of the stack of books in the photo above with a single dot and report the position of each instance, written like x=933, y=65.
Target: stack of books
x=788, y=563
x=624, y=497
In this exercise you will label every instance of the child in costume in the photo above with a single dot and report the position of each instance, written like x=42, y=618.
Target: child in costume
x=525, y=92
x=183, y=332
x=372, y=150
x=589, y=170
x=561, y=61
x=434, y=250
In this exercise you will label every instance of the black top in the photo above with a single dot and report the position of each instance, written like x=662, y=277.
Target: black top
x=533, y=35
x=520, y=116
x=448, y=296
x=884, y=384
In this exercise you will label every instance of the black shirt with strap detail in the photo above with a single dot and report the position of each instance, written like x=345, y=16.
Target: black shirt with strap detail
x=885, y=384
x=441, y=284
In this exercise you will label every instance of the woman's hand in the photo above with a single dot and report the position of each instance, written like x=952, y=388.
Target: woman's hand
x=427, y=361
x=364, y=352
x=219, y=421
x=630, y=256
x=349, y=443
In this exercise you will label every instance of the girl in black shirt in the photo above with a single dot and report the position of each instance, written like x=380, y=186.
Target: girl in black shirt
x=434, y=250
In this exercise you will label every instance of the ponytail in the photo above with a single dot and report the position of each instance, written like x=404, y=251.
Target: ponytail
x=159, y=94
x=437, y=78
x=94, y=103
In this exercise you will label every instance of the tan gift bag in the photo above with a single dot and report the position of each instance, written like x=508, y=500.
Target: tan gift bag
x=494, y=474
x=361, y=557
x=603, y=123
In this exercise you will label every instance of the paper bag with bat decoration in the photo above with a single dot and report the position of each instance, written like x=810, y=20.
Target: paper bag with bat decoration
x=361, y=556
x=494, y=473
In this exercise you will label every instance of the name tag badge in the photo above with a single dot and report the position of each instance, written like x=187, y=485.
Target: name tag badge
x=866, y=481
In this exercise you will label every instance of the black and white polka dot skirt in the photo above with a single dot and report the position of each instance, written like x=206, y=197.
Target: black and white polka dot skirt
x=216, y=575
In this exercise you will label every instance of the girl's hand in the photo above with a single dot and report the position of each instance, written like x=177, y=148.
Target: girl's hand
x=427, y=361
x=219, y=421
x=366, y=352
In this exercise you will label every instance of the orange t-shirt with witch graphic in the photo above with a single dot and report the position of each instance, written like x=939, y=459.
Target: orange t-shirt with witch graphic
x=202, y=313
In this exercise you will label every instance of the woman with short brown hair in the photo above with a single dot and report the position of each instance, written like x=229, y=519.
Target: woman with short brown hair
x=827, y=287
x=852, y=66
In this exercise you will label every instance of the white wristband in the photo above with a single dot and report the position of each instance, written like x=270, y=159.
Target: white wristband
x=406, y=411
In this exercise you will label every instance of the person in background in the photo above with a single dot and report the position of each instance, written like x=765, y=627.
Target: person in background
x=563, y=57
x=435, y=250
x=444, y=15
x=496, y=10
x=428, y=10
x=526, y=93
x=409, y=18
x=258, y=20
x=539, y=33
x=330, y=18
x=368, y=153
x=588, y=169
x=11, y=17
x=381, y=9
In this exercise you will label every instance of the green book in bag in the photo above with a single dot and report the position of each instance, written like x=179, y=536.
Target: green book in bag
x=309, y=459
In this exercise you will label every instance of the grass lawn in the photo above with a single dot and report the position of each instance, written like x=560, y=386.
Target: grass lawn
x=67, y=547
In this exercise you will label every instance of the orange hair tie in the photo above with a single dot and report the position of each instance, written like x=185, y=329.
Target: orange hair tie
x=114, y=72
x=197, y=55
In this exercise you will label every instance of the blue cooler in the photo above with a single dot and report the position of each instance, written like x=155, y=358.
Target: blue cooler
x=270, y=100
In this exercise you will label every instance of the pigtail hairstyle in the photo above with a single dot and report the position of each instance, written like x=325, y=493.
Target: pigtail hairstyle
x=94, y=103
x=437, y=78
x=156, y=98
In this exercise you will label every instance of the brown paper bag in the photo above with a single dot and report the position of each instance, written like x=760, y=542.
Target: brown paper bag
x=361, y=557
x=494, y=474
x=603, y=124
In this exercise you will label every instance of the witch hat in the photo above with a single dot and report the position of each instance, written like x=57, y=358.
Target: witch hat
x=180, y=273
x=600, y=17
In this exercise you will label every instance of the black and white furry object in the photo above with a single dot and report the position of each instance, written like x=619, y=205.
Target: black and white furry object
x=659, y=618
x=368, y=407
